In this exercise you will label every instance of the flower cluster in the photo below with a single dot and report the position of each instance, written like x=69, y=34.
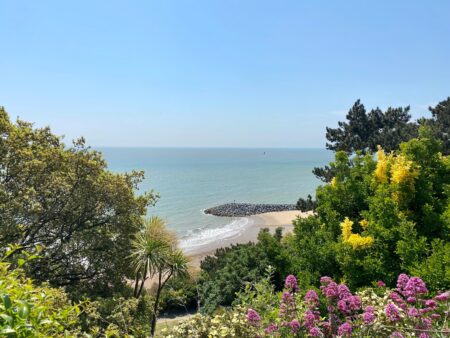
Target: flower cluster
x=356, y=241
x=402, y=312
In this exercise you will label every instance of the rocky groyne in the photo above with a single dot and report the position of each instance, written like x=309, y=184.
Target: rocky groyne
x=247, y=209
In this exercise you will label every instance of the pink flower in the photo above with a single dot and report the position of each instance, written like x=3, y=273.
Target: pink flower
x=310, y=318
x=271, y=328
x=430, y=303
x=325, y=280
x=345, y=330
x=343, y=291
x=295, y=325
x=411, y=300
x=342, y=307
x=392, y=313
x=435, y=316
x=402, y=280
x=381, y=284
x=253, y=317
x=413, y=312
x=291, y=283
x=414, y=286
x=442, y=297
x=315, y=332
x=396, y=334
x=312, y=299
x=369, y=316
x=331, y=290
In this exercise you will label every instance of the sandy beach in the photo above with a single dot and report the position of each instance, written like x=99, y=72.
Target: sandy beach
x=271, y=220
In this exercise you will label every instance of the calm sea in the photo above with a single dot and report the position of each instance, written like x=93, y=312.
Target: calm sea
x=190, y=180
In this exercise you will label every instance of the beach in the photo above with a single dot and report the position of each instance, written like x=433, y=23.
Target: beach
x=249, y=233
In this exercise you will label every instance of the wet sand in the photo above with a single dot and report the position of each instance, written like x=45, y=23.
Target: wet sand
x=270, y=220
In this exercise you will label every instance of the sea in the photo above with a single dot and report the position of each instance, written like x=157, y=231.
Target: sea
x=190, y=180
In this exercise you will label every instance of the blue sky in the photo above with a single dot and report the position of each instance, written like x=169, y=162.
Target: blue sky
x=217, y=73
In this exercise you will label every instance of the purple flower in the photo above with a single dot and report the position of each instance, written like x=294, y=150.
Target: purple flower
x=396, y=334
x=402, y=280
x=354, y=303
x=331, y=290
x=345, y=330
x=295, y=325
x=325, y=280
x=315, y=332
x=291, y=283
x=253, y=317
x=369, y=315
x=310, y=318
x=424, y=335
x=435, y=316
x=413, y=312
x=442, y=297
x=342, y=307
x=312, y=299
x=430, y=303
x=381, y=284
x=343, y=291
x=411, y=300
x=271, y=328
x=287, y=306
x=392, y=313
x=425, y=324
x=414, y=286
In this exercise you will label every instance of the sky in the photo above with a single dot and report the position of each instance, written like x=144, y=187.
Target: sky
x=229, y=73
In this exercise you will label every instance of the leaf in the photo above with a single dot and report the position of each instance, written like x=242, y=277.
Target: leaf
x=6, y=318
x=24, y=311
x=6, y=301
x=20, y=262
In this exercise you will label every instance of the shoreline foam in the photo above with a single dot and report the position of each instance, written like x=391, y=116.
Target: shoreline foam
x=248, y=233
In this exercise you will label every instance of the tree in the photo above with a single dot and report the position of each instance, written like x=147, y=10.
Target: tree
x=365, y=131
x=155, y=254
x=440, y=123
x=64, y=199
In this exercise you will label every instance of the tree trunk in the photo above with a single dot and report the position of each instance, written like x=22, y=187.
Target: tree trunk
x=144, y=277
x=158, y=294
x=136, y=284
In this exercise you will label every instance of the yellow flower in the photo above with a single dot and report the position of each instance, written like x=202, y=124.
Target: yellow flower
x=355, y=240
x=382, y=163
x=346, y=227
x=333, y=182
x=359, y=242
x=402, y=170
x=364, y=224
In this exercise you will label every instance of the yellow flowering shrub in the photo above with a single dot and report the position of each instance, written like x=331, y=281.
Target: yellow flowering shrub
x=356, y=241
x=346, y=227
x=402, y=170
x=381, y=170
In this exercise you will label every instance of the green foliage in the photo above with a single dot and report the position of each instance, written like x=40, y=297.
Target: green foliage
x=27, y=310
x=398, y=209
x=364, y=131
x=155, y=254
x=66, y=200
x=440, y=123
x=224, y=273
x=306, y=204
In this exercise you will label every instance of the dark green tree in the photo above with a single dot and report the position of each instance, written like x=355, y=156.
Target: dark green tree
x=364, y=131
x=440, y=123
x=64, y=199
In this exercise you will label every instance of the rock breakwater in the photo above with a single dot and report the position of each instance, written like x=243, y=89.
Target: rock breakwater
x=247, y=209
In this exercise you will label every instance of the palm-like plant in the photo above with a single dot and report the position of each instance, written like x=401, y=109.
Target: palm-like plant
x=149, y=250
x=155, y=253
